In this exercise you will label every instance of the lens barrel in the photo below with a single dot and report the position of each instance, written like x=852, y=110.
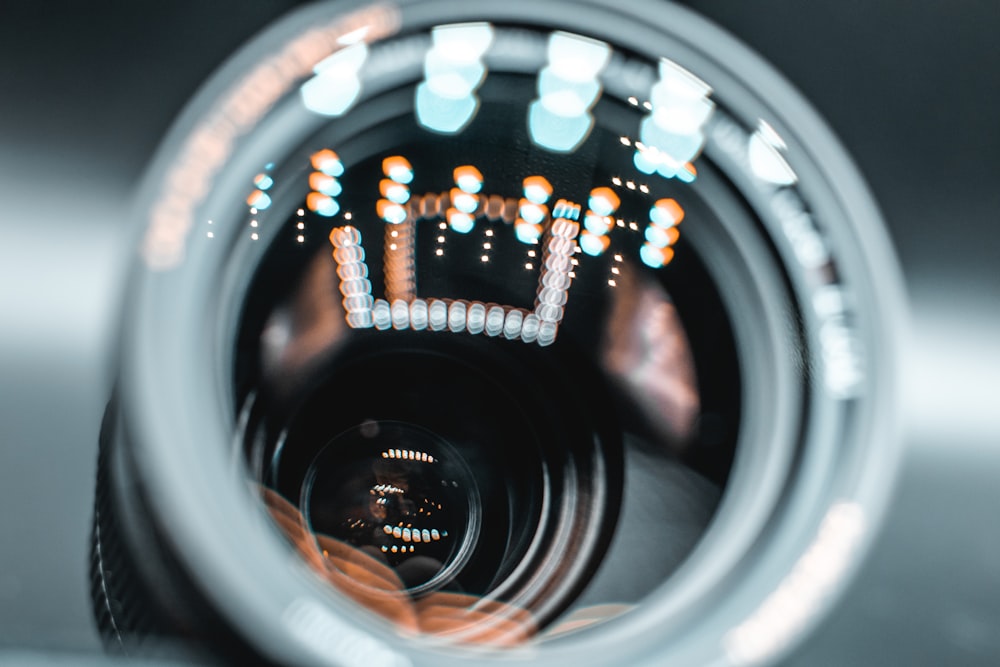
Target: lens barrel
x=464, y=331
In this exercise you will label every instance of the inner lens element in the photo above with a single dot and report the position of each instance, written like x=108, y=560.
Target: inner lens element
x=486, y=355
x=398, y=494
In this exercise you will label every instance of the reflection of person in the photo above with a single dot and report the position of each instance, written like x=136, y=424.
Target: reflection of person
x=369, y=581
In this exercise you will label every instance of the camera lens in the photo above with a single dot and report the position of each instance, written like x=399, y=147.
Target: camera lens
x=478, y=327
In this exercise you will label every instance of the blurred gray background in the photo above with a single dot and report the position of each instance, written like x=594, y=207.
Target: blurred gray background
x=911, y=87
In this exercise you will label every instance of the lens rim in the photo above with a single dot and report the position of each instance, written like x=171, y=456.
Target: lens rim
x=853, y=470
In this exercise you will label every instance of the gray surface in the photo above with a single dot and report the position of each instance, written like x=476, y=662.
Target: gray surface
x=909, y=86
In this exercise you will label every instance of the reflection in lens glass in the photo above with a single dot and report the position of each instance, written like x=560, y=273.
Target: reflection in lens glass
x=479, y=351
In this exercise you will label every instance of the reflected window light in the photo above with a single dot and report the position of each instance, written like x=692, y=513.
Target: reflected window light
x=336, y=86
x=259, y=200
x=327, y=185
x=566, y=98
x=211, y=235
x=654, y=257
x=392, y=213
x=460, y=221
x=766, y=161
x=327, y=162
x=527, y=232
x=437, y=315
x=446, y=100
x=596, y=224
x=541, y=326
x=399, y=311
x=418, y=314
x=533, y=214
x=687, y=174
x=603, y=201
x=457, y=317
x=672, y=133
x=666, y=213
x=393, y=191
x=476, y=319
x=559, y=120
x=463, y=201
x=382, y=315
x=529, y=329
x=566, y=209
x=469, y=179
x=356, y=289
x=594, y=244
x=494, y=321
x=537, y=189
x=659, y=237
x=323, y=205
x=398, y=168
x=444, y=115
x=512, y=324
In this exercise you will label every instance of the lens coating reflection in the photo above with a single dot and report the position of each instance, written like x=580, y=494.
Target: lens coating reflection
x=399, y=494
x=560, y=271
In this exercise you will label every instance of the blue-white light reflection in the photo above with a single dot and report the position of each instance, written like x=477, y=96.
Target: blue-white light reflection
x=766, y=161
x=568, y=88
x=672, y=133
x=446, y=100
x=337, y=85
